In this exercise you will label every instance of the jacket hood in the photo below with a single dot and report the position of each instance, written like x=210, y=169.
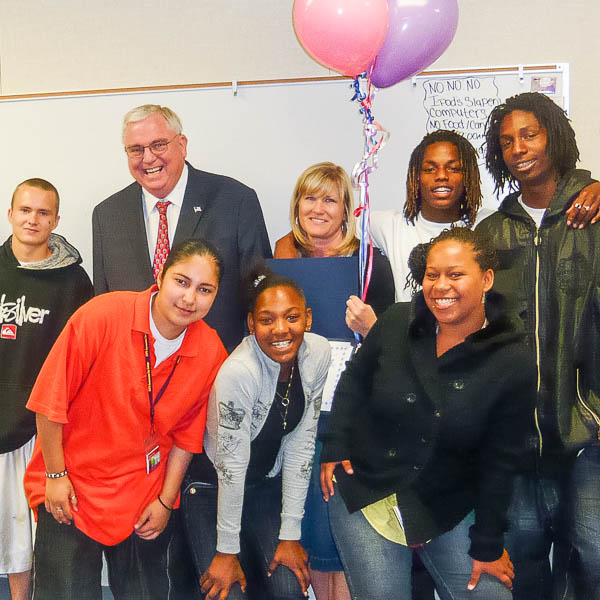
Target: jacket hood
x=568, y=186
x=63, y=255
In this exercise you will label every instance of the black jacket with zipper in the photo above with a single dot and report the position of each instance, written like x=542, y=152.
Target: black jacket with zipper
x=552, y=275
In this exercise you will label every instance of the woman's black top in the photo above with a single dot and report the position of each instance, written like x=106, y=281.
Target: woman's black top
x=265, y=446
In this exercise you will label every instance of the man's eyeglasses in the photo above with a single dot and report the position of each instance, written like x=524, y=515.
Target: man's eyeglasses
x=157, y=147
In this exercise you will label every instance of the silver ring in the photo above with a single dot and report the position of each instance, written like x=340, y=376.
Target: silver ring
x=577, y=206
x=587, y=207
x=73, y=497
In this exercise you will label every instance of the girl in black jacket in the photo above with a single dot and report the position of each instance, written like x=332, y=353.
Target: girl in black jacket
x=427, y=427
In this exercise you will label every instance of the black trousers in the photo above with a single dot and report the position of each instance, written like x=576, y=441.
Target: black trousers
x=67, y=564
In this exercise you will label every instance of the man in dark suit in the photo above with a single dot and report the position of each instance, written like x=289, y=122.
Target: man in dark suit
x=132, y=234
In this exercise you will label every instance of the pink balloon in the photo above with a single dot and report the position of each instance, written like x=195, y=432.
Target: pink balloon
x=418, y=34
x=344, y=35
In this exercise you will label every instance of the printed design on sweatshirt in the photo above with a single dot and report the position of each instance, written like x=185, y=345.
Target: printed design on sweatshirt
x=305, y=470
x=19, y=313
x=225, y=472
x=317, y=402
x=259, y=414
x=228, y=444
x=572, y=274
x=8, y=332
x=230, y=416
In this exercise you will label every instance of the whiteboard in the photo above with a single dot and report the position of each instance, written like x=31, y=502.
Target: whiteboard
x=263, y=135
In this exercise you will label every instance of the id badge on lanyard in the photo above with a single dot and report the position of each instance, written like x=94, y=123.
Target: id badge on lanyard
x=151, y=445
x=152, y=451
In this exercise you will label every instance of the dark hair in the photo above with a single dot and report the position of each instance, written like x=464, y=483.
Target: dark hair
x=560, y=142
x=194, y=247
x=467, y=155
x=485, y=255
x=417, y=261
x=40, y=184
x=261, y=278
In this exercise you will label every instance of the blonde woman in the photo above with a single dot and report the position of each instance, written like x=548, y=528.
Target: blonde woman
x=323, y=225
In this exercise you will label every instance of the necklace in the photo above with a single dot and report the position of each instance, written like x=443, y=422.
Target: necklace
x=285, y=399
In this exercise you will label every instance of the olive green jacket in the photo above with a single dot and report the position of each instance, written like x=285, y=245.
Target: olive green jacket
x=552, y=275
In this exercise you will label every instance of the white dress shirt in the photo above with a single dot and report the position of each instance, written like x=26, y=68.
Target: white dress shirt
x=151, y=215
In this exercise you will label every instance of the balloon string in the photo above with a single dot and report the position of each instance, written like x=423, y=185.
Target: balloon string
x=367, y=261
x=375, y=139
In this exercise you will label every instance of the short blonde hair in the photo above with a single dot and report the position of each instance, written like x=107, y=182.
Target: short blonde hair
x=320, y=179
x=139, y=113
x=40, y=184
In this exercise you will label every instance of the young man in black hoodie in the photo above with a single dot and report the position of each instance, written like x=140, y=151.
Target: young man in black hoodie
x=42, y=283
x=552, y=274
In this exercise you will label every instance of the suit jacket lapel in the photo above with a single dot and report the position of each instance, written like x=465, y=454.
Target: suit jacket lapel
x=132, y=221
x=192, y=209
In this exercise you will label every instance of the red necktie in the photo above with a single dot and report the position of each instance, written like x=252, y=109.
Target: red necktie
x=162, y=240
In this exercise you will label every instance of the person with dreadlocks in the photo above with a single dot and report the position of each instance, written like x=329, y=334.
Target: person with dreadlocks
x=442, y=190
x=552, y=275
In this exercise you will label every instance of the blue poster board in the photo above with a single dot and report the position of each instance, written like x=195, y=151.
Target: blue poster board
x=327, y=284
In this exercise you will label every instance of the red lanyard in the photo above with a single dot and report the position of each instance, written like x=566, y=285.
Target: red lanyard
x=151, y=399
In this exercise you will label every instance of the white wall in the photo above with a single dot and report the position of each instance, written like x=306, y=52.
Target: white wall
x=47, y=45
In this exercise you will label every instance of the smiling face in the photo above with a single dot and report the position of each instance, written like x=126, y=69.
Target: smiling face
x=279, y=321
x=523, y=141
x=454, y=285
x=158, y=174
x=186, y=292
x=33, y=216
x=321, y=214
x=441, y=183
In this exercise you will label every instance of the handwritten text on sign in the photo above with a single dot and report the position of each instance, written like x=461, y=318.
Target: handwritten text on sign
x=461, y=105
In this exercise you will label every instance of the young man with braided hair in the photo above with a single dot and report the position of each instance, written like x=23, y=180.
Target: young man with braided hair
x=551, y=273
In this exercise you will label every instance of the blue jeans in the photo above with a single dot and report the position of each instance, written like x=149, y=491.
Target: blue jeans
x=68, y=564
x=317, y=538
x=585, y=523
x=259, y=538
x=379, y=569
x=537, y=518
x=561, y=511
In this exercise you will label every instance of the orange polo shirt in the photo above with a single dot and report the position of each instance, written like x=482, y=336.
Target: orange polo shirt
x=94, y=382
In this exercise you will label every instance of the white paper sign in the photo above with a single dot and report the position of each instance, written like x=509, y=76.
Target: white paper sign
x=340, y=354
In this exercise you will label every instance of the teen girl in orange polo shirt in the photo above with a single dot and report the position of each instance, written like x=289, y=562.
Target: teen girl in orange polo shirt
x=121, y=407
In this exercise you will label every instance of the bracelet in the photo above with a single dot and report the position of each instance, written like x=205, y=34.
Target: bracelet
x=56, y=475
x=163, y=504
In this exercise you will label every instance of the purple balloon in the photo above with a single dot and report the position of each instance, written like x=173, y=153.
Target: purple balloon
x=418, y=34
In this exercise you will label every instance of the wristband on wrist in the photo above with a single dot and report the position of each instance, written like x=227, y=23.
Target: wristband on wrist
x=163, y=504
x=56, y=475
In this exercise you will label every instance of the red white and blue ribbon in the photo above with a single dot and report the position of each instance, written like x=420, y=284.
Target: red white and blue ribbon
x=375, y=139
